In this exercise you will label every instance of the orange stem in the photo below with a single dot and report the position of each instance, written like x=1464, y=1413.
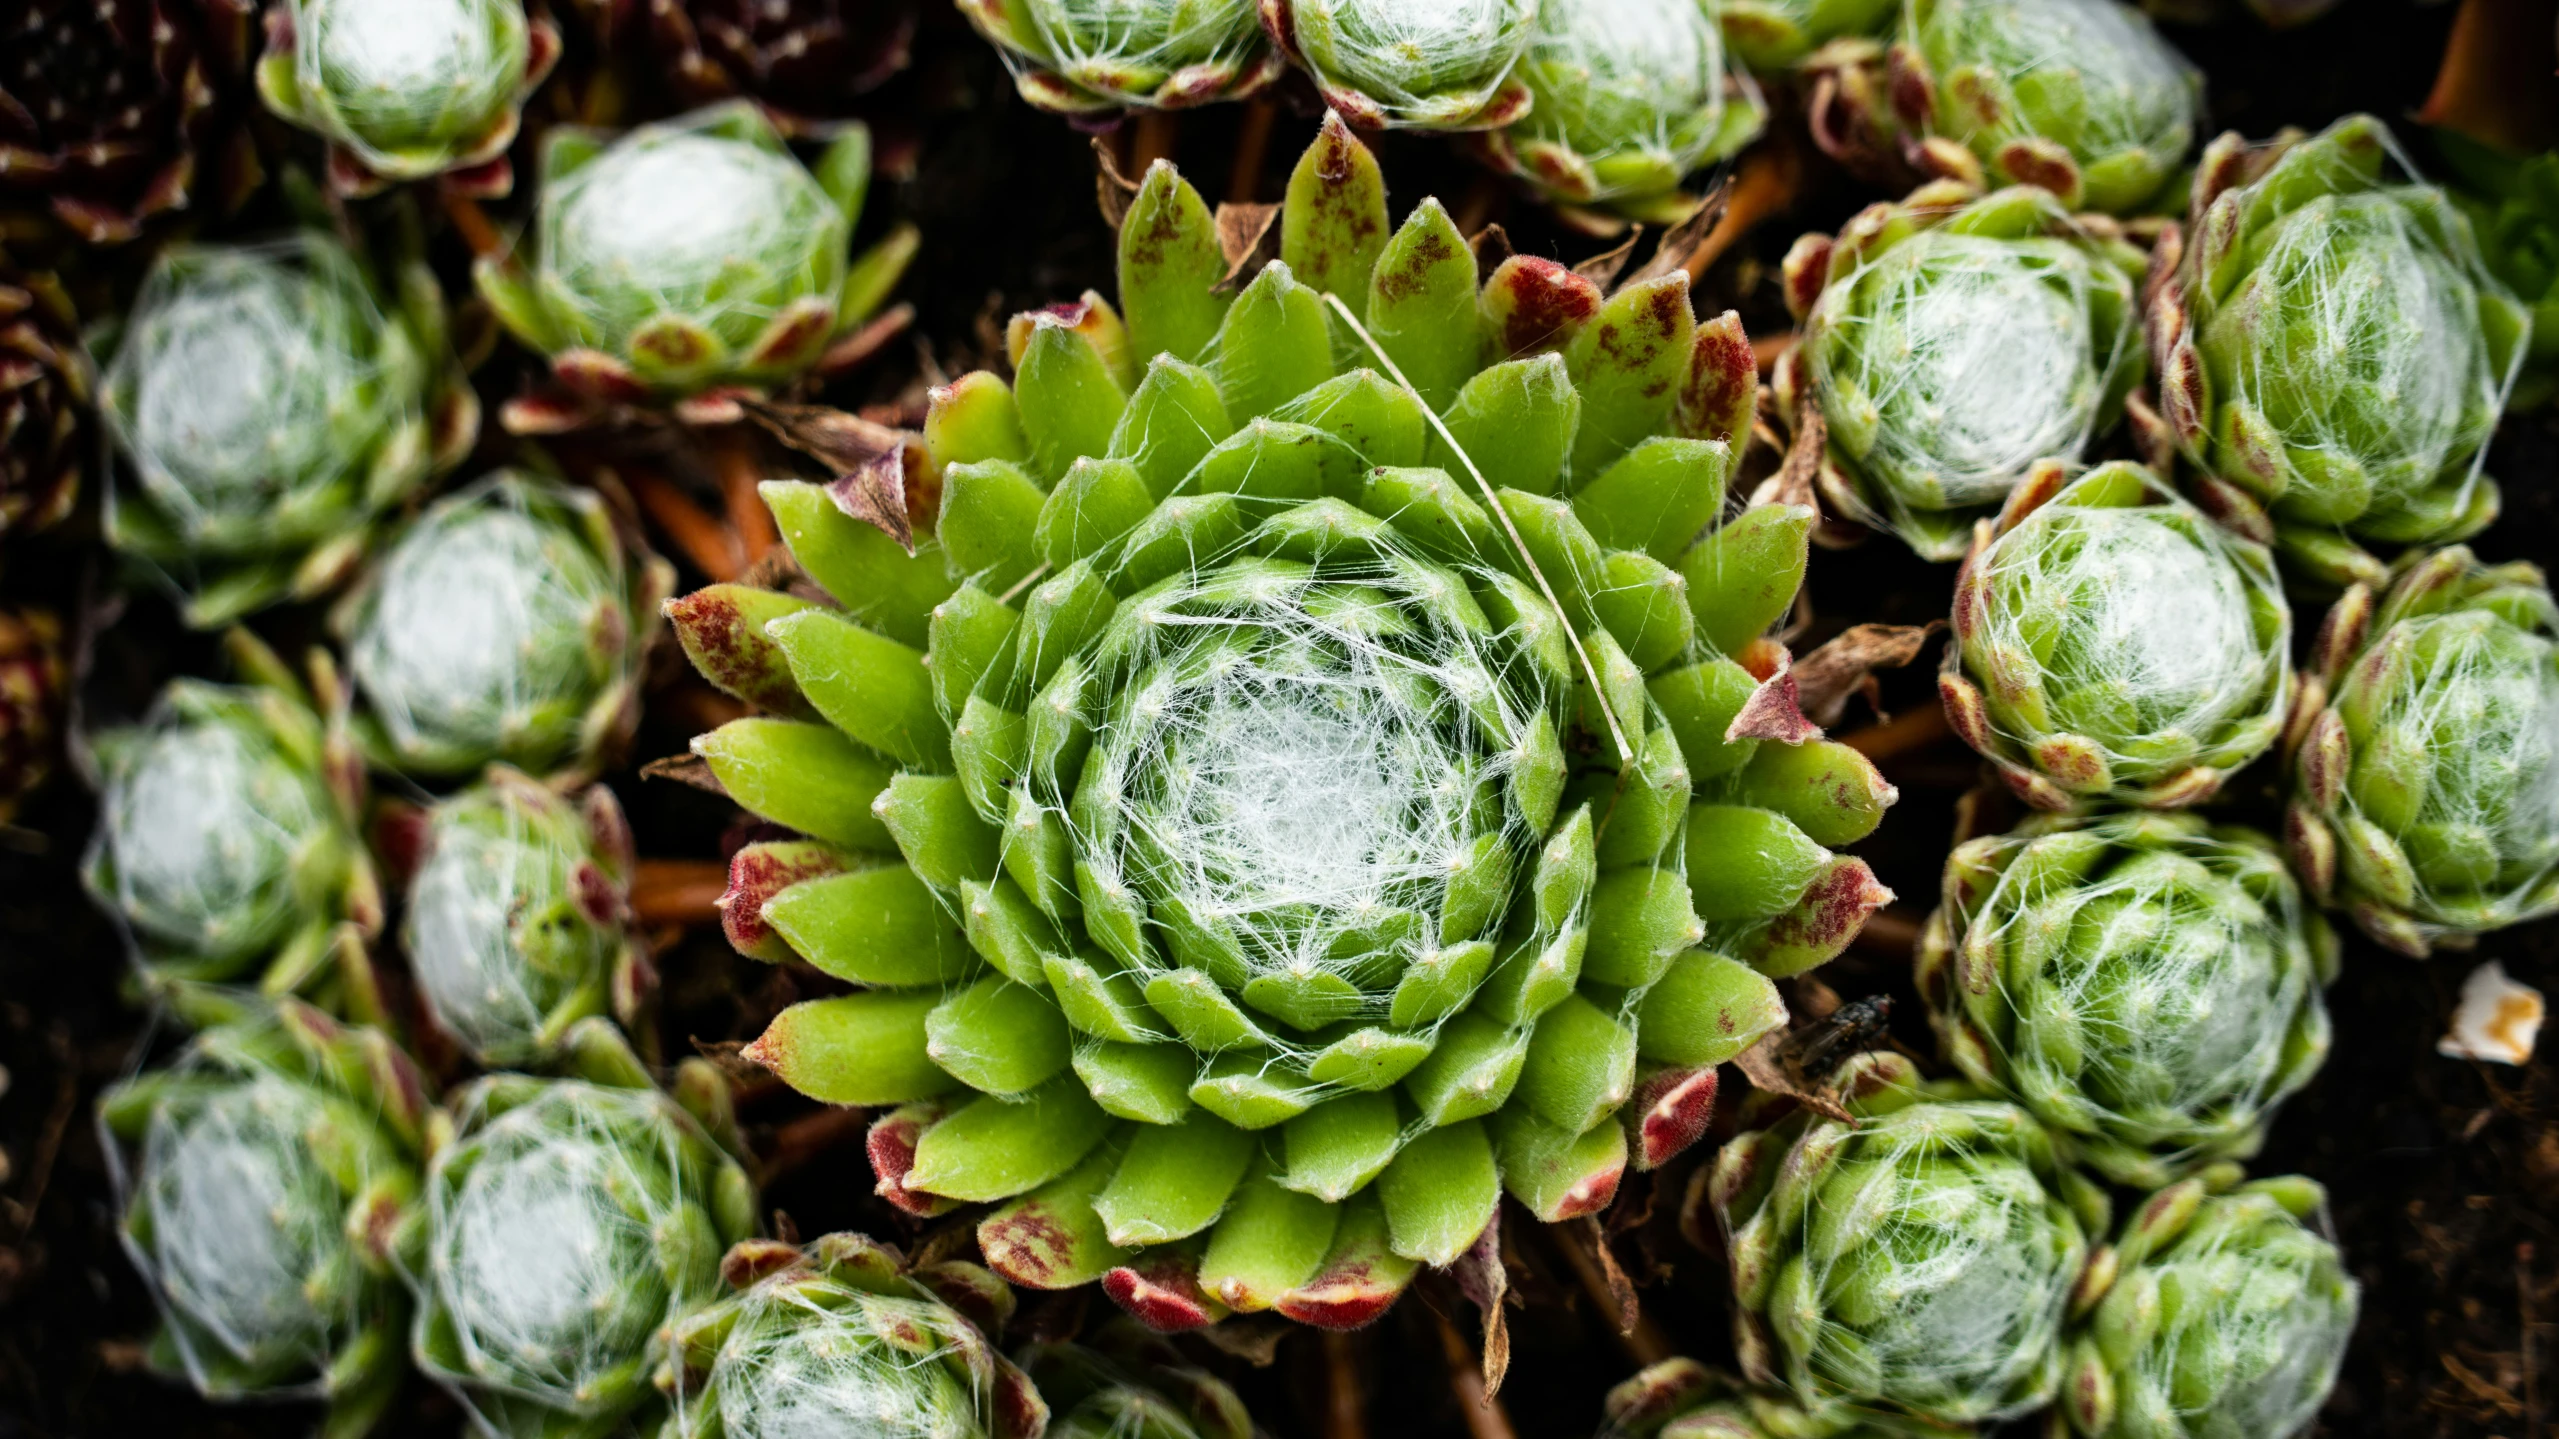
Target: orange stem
x=471, y=222
x=1915, y=728
x=1763, y=185
x=678, y=891
x=1484, y=1415
x=712, y=550
x=750, y=522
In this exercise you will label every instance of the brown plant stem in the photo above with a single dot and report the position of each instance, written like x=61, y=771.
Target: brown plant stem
x=1643, y=1340
x=1484, y=1415
x=686, y=525
x=740, y=469
x=1912, y=730
x=678, y=891
x=471, y=223
x=1152, y=138
x=1345, y=1401
x=1764, y=184
x=809, y=1136
x=1252, y=141
x=1892, y=931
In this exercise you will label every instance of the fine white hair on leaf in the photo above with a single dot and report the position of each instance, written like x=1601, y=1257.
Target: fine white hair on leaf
x=249, y=386
x=202, y=821
x=1296, y=761
x=571, y=1237
x=1105, y=43
x=1961, y=361
x=670, y=221
x=2251, y=1325
x=247, y=1228
x=1406, y=53
x=2357, y=336
x=2157, y=1000
x=2141, y=625
x=811, y=1359
x=478, y=636
x=493, y=931
x=408, y=74
x=2133, y=92
x=1613, y=75
x=1937, y=1267
x=2465, y=728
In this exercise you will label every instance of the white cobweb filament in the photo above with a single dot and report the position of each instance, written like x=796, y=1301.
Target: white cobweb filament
x=552, y=1252
x=1971, y=359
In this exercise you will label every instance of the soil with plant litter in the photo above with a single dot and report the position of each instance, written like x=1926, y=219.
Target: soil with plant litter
x=2443, y=1174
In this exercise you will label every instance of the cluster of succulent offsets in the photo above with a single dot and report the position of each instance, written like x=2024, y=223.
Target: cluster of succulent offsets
x=1603, y=108
x=1291, y=758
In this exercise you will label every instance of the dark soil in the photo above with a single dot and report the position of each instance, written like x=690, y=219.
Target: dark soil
x=2444, y=1175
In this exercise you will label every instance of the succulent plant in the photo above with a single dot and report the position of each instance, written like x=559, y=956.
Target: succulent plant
x=2146, y=985
x=274, y=1173
x=845, y=1335
x=692, y=253
x=505, y=626
x=2112, y=644
x=2214, y=1313
x=1084, y=57
x=122, y=112
x=1214, y=808
x=2428, y=797
x=1426, y=64
x=1773, y=36
x=34, y=687
x=1913, y=1263
x=272, y=407
x=1951, y=342
x=518, y=920
x=1983, y=94
x=226, y=839
x=1682, y=1399
x=2333, y=353
x=407, y=89
x=802, y=60
x=2513, y=205
x=1630, y=96
x=45, y=394
x=569, y=1223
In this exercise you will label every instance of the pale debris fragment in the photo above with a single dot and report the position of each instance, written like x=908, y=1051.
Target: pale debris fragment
x=2498, y=1019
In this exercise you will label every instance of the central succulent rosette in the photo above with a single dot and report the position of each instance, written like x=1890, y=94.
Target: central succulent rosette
x=1275, y=809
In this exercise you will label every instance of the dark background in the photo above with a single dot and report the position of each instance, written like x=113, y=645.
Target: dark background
x=2444, y=1175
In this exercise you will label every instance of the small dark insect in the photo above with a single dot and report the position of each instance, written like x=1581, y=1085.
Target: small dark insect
x=1811, y=1053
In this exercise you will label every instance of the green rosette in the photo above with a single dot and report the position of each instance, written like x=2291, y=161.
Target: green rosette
x=270, y=1175
x=2147, y=985
x=570, y=1223
x=1951, y=342
x=272, y=407
x=1910, y=1265
x=2333, y=352
x=2213, y=1314
x=2426, y=798
x=692, y=253
x=2115, y=646
x=408, y=89
x=1274, y=795
x=1096, y=57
